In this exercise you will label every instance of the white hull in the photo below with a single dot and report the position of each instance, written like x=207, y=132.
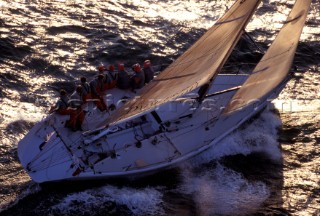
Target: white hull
x=173, y=133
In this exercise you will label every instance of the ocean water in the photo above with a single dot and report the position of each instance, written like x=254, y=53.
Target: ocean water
x=269, y=166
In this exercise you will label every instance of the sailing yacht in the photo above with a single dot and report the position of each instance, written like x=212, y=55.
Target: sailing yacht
x=187, y=109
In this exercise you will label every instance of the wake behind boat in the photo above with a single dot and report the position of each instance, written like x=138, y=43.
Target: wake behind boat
x=162, y=127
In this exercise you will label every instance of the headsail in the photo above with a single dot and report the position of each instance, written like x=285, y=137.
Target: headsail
x=200, y=63
x=276, y=63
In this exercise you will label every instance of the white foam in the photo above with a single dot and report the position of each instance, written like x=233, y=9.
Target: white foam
x=224, y=191
x=145, y=201
x=219, y=190
x=257, y=136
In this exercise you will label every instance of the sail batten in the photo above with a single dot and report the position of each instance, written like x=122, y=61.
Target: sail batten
x=197, y=66
x=274, y=66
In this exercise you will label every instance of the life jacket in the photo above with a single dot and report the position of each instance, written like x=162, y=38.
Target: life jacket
x=148, y=73
x=97, y=86
x=123, y=80
x=76, y=100
x=138, y=80
x=110, y=80
x=62, y=103
x=86, y=88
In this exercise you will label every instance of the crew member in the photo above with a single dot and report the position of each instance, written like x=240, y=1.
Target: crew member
x=76, y=101
x=138, y=79
x=86, y=90
x=110, y=78
x=148, y=71
x=101, y=69
x=97, y=92
x=62, y=108
x=123, y=77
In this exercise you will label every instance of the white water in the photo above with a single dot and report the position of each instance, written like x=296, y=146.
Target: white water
x=222, y=191
x=147, y=201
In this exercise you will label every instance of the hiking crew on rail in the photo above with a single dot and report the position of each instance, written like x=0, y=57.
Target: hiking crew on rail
x=96, y=89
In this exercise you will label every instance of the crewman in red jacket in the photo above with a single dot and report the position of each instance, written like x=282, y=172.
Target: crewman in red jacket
x=110, y=78
x=123, y=77
x=62, y=108
x=76, y=102
x=86, y=89
x=148, y=71
x=138, y=79
x=98, y=91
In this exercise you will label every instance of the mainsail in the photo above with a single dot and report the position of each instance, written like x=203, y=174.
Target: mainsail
x=197, y=66
x=275, y=64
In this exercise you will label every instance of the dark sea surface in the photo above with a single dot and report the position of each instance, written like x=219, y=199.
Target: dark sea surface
x=269, y=166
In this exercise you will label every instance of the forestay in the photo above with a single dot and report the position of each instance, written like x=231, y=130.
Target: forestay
x=275, y=64
x=197, y=66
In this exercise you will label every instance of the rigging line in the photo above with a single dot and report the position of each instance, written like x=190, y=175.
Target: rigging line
x=66, y=146
x=258, y=47
x=170, y=38
x=45, y=145
x=44, y=162
x=56, y=164
x=42, y=152
x=49, y=162
x=76, y=141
